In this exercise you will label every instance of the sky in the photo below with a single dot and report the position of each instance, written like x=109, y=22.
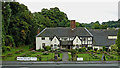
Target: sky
x=83, y=11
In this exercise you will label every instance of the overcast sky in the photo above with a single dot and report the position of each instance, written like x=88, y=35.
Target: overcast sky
x=83, y=11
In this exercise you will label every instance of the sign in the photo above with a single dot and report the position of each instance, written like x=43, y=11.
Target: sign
x=27, y=58
x=80, y=59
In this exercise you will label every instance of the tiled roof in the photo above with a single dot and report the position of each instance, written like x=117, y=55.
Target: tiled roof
x=100, y=36
x=64, y=32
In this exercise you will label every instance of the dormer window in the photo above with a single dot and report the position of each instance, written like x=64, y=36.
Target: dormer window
x=112, y=37
x=43, y=38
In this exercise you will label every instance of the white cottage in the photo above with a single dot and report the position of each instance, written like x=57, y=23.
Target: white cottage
x=75, y=37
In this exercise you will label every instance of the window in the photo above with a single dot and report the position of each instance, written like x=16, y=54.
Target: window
x=112, y=37
x=43, y=44
x=76, y=40
x=77, y=46
x=55, y=46
x=43, y=38
x=55, y=40
x=51, y=45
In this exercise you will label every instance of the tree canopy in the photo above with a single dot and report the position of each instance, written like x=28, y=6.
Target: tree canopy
x=20, y=25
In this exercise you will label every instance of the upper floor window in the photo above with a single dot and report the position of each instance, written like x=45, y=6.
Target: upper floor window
x=55, y=40
x=43, y=38
x=112, y=37
x=76, y=40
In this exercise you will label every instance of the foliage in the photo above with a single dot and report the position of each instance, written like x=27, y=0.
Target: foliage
x=118, y=42
x=114, y=47
x=90, y=48
x=73, y=51
x=95, y=49
x=104, y=48
x=47, y=48
x=83, y=49
x=9, y=41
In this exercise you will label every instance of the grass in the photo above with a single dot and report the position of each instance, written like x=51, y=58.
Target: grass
x=27, y=53
x=88, y=57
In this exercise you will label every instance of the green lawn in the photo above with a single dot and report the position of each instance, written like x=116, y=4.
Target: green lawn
x=26, y=53
x=88, y=57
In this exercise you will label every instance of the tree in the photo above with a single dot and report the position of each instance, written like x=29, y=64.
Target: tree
x=9, y=41
x=118, y=41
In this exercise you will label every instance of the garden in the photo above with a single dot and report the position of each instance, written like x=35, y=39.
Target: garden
x=47, y=54
x=93, y=55
x=11, y=54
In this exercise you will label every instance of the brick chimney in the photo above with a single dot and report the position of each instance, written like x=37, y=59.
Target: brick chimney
x=73, y=24
x=38, y=31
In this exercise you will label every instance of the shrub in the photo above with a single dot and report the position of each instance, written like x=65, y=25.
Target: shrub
x=68, y=50
x=47, y=48
x=83, y=49
x=9, y=41
x=8, y=48
x=79, y=50
x=4, y=48
x=90, y=48
x=73, y=51
x=98, y=51
x=95, y=49
x=103, y=48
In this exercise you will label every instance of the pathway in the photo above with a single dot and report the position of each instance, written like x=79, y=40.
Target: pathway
x=65, y=56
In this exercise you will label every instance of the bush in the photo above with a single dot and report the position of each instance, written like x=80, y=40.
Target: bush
x=4, y=48
x=80, y=50
x=47, y=48
x=83, y=49
x=103, y=48
x=8, y=48
x=90, y=48
x=73, y=51
x=91, y=51
x=98, y=51
x=9, y=41
x=95, y=49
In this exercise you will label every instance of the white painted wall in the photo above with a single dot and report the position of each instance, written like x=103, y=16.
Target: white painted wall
x=98, y=47
x=54, y=42
x=75, y=41
x=39, y=42
x=38, y=46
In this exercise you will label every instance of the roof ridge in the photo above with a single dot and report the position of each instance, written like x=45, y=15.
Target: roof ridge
x=88, y=31
x=41, y=32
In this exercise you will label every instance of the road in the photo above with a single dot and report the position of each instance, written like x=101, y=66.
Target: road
x=15, y=64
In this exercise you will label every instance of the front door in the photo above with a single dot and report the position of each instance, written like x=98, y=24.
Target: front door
x=69, y=47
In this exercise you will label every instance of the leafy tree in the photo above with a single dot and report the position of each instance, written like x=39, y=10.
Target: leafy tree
x=118, y=41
